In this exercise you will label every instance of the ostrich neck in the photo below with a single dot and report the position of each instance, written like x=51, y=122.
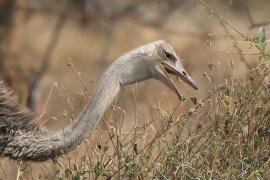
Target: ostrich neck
x=124, y=71
x=44, y=144
x=74, y=134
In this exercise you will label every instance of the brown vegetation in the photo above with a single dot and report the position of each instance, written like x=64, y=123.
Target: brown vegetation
x=57, y=51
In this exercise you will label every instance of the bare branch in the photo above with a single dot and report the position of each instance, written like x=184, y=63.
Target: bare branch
x=35, y=78
x=222, y=20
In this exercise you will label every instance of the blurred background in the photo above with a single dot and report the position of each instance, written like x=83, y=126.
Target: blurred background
x=52, y=53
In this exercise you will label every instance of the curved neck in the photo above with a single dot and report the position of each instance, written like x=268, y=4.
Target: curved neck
x=74, y=134
x=44, y=144
x=124, y=71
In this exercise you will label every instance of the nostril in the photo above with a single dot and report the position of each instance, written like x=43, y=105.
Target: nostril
x=184, y=73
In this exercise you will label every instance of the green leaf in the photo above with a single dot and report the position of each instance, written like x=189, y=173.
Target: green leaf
x=262, y=40
x=98, y=169
x=183, y=98
x=257, y=142
x=164, y=113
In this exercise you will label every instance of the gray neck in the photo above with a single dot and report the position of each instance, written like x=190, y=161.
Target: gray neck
x=42, y=144
x=124, y=71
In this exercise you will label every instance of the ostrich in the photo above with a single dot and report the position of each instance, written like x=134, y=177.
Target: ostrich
x=22, y=139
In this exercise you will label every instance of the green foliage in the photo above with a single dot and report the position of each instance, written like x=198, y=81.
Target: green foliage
x=72, y=174
x=183, y=98
x=262, y=41
x=164, y=113
x=259, y=41
x=98, y=169
x=225, y=136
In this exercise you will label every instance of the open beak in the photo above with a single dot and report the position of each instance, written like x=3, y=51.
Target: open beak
x=178, y=73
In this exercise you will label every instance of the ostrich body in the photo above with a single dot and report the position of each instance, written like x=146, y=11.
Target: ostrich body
x=21, y=138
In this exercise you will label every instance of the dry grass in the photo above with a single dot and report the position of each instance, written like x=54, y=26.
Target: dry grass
x=222, y=134
x=225, y=135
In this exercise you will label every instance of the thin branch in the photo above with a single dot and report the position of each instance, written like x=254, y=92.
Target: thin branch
x=238, y=53
x=51, y=46
x=225, y=24
x=237, y=47
x=35, y=78
x=222, y=20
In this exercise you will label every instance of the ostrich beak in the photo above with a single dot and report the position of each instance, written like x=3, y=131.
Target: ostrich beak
x=178, y=72
x=169, y=82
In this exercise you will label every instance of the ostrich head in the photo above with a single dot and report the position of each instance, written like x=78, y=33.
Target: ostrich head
x=154, y=60
x=161, y=62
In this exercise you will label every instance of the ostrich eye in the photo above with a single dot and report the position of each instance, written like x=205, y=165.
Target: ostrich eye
x=168, y=55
